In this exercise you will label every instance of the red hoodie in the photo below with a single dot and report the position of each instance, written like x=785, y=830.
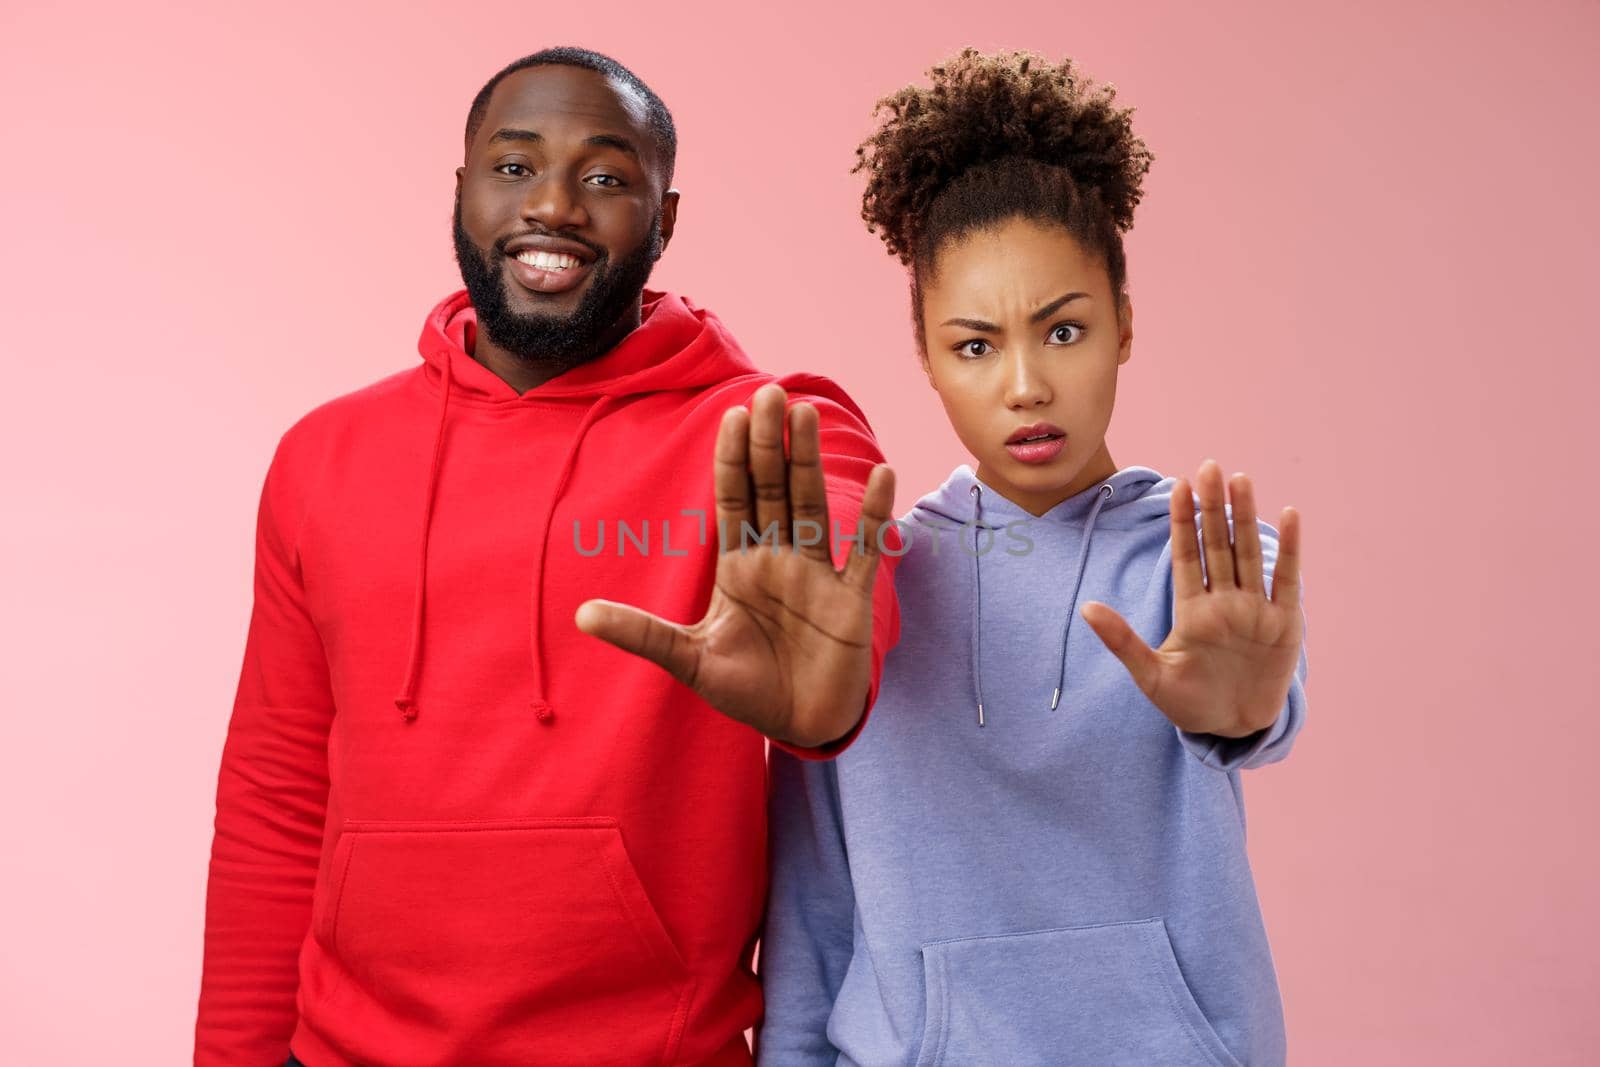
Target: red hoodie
x=451, y=828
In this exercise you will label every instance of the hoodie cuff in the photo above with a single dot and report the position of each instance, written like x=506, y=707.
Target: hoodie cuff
x=1237, y=753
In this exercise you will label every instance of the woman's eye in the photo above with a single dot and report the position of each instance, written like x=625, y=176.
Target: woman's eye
x=1058, y=335
x=967, y=348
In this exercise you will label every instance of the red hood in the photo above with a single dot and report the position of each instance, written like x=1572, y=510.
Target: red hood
x=551, y=851
x=677, y=346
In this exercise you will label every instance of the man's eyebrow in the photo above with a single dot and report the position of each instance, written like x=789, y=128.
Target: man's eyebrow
x=599, y=140
x=612, y=140
x=1054, y=306
x=514, y=135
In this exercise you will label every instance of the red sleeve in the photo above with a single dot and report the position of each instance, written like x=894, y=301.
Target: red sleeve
x=271, y=801
x=849, y=452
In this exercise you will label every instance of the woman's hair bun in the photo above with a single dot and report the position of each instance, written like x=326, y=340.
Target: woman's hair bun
x=981, y=109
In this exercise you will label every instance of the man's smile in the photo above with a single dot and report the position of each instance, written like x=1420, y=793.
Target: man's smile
x=545, y=264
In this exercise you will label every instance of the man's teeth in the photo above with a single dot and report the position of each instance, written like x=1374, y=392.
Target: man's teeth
x=547, y=260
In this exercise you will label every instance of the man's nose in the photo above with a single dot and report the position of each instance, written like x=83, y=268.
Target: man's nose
x=552, y=202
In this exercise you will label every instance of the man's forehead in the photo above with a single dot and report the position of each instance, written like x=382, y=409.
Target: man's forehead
x=560, y=93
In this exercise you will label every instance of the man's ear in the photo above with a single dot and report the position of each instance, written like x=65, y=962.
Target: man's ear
x=460, y=173
x=669, y=216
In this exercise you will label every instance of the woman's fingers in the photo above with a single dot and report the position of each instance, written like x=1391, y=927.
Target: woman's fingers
x=808, y=489
x=1286, y=572
x=1187, y=580
x=1214, y=527
x=768, y=471
x=1246, y=535
x=1142, y=662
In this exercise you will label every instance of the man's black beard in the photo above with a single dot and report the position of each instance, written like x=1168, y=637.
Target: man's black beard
x=556, y=343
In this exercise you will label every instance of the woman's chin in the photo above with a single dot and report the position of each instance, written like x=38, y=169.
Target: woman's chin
x=1040, y=479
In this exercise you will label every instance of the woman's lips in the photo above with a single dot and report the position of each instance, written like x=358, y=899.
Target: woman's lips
x=1042, y=451
x=541, y=280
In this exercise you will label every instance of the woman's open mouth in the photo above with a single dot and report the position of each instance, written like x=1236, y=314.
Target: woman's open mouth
x=1039, y=443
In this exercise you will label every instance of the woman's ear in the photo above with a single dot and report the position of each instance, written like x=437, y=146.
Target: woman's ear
x=1125, y=326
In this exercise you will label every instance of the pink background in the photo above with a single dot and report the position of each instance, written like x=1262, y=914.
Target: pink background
x=1362, y=274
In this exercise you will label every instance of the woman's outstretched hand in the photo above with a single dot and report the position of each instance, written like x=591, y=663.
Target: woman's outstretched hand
x=786, y=642
x=1227, y=665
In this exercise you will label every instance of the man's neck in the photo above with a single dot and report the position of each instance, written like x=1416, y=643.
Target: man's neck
x=523, y=375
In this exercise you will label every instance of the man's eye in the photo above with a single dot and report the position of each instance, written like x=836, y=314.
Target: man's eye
x=966, y=348
x=505, y=166
x=1056, y=334
x=608, y=181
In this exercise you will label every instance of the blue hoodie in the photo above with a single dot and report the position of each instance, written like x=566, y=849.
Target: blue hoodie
x=1021, y=860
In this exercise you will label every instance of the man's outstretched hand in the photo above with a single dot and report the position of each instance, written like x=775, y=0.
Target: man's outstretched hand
x=786, y=642
x=1227, y=665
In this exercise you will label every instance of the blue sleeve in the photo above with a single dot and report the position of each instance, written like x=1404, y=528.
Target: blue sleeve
x=1271, y=744
x=809, y=935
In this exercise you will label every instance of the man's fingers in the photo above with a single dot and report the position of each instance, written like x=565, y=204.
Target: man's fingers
x=1142, y=662
x=731, y=478
x=808, y=490
x=768, y=469
x=1246, y=535
x=1214, y=527
x=1286, y=572
x=861, y=568
x=666, y=644
x=1187, y=581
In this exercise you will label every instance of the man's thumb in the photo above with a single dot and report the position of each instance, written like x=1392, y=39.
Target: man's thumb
x=666, y=644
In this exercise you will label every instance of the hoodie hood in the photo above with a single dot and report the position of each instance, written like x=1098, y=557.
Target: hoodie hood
x=1066, y=886
x=676, y=346
x=1127, y=498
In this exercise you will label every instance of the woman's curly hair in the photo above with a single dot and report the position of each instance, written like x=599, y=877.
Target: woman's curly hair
x=996, y=137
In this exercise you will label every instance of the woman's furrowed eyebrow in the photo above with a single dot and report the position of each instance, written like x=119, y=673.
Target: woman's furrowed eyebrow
x=972, y=324
x=1038, y=316
x=1054, y=306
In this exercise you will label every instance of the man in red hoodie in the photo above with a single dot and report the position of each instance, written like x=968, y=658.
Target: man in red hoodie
x=453, y=827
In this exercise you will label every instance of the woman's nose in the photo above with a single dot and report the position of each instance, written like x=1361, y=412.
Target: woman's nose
x=1025, y=386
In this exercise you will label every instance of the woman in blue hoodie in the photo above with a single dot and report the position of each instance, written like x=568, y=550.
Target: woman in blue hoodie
x=1035, y=852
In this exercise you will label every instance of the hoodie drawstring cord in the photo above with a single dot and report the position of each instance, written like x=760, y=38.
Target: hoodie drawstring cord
x=977, y=601
x=540, y=705
x=1072, y=605
x=976, y=491
x=406, y=701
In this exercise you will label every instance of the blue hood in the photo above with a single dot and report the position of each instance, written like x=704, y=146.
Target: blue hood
x=1021, y=860
x=964, y=499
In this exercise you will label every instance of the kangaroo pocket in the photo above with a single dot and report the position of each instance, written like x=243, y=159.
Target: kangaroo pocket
x=1108, y=994
x=515, y=941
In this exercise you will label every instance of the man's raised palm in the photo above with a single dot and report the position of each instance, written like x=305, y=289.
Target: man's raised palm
x=786, y=642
